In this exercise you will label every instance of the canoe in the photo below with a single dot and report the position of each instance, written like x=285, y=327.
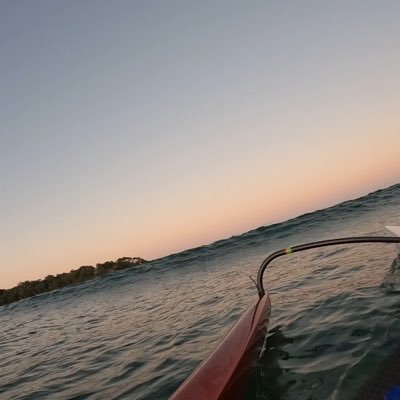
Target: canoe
x=225, y=374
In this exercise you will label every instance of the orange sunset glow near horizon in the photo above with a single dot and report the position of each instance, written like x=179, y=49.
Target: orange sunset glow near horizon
x=145, y=129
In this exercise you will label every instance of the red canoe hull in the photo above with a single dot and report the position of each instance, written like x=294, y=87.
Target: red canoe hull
x=225, y=373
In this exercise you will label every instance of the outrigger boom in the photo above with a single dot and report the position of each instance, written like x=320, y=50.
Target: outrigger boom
x=321, y=243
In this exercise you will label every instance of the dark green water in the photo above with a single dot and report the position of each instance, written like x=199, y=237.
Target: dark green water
x=138, y=334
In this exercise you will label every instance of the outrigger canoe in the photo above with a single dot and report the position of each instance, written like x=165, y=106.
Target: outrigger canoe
x=224, y=375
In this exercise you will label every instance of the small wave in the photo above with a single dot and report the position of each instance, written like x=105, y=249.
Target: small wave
x=391, y=282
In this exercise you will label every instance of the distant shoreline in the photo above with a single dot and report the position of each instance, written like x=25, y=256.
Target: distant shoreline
x=51, y=282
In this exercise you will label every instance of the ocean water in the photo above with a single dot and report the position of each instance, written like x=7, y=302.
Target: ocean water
x=138, y=333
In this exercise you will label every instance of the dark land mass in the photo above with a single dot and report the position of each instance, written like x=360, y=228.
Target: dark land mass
x=51, y=282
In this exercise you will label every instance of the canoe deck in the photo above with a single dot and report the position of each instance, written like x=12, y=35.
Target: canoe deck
x=224, y=374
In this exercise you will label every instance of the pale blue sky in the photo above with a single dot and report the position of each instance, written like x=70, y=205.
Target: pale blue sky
x=143, y=127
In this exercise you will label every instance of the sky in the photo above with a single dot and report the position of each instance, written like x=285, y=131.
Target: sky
x=143, y=128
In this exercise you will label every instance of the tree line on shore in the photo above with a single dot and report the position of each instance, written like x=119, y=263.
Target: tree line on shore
x=51, y=282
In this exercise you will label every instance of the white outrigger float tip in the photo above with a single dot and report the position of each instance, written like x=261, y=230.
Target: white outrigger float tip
x=393, y=229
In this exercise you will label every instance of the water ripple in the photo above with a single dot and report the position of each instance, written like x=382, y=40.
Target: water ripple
x=137, y=334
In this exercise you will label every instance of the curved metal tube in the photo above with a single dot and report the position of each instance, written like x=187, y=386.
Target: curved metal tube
x=313, y=245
